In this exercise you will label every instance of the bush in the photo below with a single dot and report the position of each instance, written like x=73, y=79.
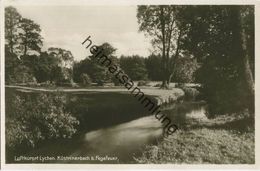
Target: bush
x=85, y=79
x=37, y=117
x=21, y=75
x=190, y=93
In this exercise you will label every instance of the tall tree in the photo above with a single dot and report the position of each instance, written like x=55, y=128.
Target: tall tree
x=163, y=25
x=242, y=14
x=222, y=40
x=98, y=74
x=29, y=36
x=12, y=19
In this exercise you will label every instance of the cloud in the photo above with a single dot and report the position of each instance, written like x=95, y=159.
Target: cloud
x=67, y=26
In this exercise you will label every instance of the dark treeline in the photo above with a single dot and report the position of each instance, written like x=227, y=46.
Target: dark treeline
x=136, y=67
x=27, y=63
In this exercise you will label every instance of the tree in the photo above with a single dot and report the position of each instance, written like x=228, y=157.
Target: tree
x=29, y=36
x=45, y=67
x=79, y=68
x=12, y=19
x=134, y=67
x=98, y=73
x=242, y=14
x=20, y=34
x=57, y=75
x=222, y=40
x=64, y=56
x=163, y=25
x=153, y=66
x=64, y=60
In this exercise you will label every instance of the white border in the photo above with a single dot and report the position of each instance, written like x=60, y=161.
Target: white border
x=131, y=166
x=2, y=77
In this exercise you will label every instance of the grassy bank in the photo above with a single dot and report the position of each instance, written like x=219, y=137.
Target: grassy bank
x=224, y=140
x=161, y=96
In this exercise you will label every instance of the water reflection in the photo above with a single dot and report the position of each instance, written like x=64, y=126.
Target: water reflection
x=186, y=113
x=122, y=140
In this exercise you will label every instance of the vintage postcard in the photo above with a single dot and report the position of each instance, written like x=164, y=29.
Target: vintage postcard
x=128, y=83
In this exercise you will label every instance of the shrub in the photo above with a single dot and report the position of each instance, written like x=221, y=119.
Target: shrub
x=85, y=79
x=22, y=75
x=37, y=117
x=190, y=93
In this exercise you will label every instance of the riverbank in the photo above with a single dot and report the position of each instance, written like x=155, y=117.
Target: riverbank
x=126, y=128
x=224, y=140
x=161, y=96
x=113, y=113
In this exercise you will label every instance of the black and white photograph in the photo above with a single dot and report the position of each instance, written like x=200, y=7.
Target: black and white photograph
x=128, y=84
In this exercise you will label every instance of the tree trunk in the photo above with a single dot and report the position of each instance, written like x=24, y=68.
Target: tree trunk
x=165, y=84
x=164, y=61
x=245, y=59
x=169, y=79
x=25, y=50
x=11, y=43
x=166, y=81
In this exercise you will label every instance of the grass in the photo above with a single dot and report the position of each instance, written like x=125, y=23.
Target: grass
x=224, y=140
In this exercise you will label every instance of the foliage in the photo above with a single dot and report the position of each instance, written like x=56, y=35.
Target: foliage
x=15, y=71
x=221, y=38
x=12, y=18
x=79, y=68
x=215, y=41
x=11, y=61
x=22, y=74
x=185, y=69
x=163, y=24
x=24, y=59
x=29, y=36
x=98, y=74
x=36, y=117
x=153, y=65
x=85, y=79
x=44, y=69
x=63, y=69
x=64, y=57
x=190, y=93
x=134, y=67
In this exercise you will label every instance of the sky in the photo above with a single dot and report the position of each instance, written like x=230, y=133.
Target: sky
x=67, y=26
